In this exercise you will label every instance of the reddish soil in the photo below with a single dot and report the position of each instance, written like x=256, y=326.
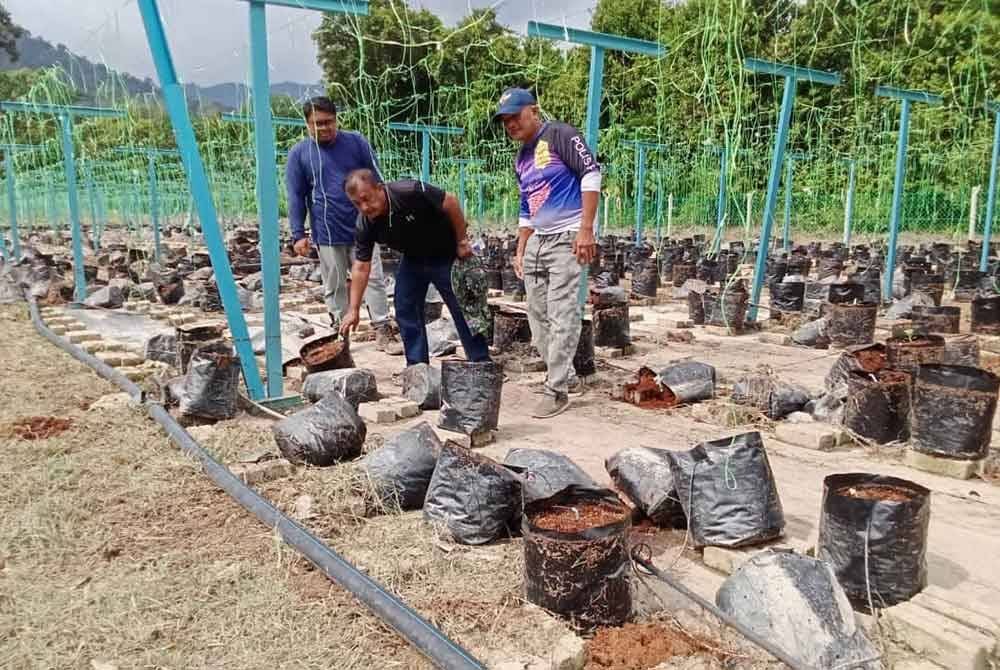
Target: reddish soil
x=323, y=352
x=39, y=427
x=871, y=360
x=893, y=377
x=638, y=647
x=877, y=492
x=590, y=514
x=646, y=393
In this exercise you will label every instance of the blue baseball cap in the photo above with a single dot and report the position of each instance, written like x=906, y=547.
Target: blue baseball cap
x=513, y=101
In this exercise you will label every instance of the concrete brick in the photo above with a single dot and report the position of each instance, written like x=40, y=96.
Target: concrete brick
x=727, y=560
x=817, y=437
x=947, y=467
x=314, y=308
x=119, y=359
x=989, y=343
x=494, y=293
x=614, y=352
x=376, y=412
x=940, y=639
x=266, y=471
x=78, y=336
x=94, y=346
x=58, y=329
x=59, y=320
x=404, y=407
x=525, y=365
x=569, y=653
x=461, y=439
x=137, y=374
x=775, y=338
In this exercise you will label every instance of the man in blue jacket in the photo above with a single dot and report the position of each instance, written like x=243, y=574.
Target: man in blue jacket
x=315, y=174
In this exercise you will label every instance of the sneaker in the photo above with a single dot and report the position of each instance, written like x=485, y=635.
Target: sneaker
x=576, y=387
x=551, y=405
x=387, y=340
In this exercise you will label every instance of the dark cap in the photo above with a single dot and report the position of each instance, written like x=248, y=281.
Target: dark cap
x=513, y=101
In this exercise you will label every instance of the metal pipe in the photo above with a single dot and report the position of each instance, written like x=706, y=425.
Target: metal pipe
x=427, y=639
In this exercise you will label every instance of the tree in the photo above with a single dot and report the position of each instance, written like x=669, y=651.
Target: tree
x=9, y=32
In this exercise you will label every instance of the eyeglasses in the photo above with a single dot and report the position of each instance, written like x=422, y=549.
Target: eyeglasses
x=324, y=124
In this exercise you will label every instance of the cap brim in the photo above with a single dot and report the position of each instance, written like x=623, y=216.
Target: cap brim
x=508, y=109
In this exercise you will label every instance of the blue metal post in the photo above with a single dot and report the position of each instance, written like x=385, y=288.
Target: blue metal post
x=15, y=240
x=640, y=200
x=154, y=206
x=176, y=103
x=95, y=232
x=425, y=156
x=991, y=197
x=896, y=215
x=792, y=76
x=789, y=176
x=426, y=133
x=79, y=279
x=481, y=201
x=659, y=206
x=849, y=204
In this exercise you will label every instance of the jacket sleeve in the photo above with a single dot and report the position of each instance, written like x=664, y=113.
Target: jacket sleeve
x=298, y=195
x=577, y=156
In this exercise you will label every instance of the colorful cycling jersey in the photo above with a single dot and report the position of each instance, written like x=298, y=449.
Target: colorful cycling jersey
x=553, y=170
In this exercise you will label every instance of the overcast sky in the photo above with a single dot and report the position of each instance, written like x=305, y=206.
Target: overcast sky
x=209, y=37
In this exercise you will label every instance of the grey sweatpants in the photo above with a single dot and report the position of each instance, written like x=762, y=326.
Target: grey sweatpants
x=552, y=283
x=335, y=266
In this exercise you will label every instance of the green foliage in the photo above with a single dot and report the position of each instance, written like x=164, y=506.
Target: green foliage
x=9, y=32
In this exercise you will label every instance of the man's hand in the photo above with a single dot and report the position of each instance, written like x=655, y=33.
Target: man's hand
x=519, y=266
x=302, y=247
x=585, y=247
x=350, y=322
x=464, y=248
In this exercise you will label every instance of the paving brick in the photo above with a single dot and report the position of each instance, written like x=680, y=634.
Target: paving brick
x=404, y=407
x=615, y=352
x=376, y=412
x=93, y=346
x=775, y=338
x=461, y=439
x=266, y=471
x=942, y=640
x=525, y=365
x=817, y=437
x=137, y=374
x=947, y=467
x=119, y=359
x=58, y=329
x=78, y=336
x=727, y=560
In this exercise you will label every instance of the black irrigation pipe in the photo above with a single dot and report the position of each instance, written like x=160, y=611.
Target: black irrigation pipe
x=427, y=639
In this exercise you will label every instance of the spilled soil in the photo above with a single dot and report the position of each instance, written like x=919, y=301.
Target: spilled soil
x=39, y=427
x=639, y=647
x=566, y=519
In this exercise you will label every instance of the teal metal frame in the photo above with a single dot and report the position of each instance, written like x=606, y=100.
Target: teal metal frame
x=154, y=193
x=896, y=214
x=991, y=196
x=65, y=115
x=852, y=165
x=792, y=75
x=426, y=133
x=599, y=43
x=177, y=109
x=641, y=149
x=8, y=165
x=463, y=164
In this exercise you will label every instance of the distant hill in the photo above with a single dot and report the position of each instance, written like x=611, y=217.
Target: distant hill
x=95, y=82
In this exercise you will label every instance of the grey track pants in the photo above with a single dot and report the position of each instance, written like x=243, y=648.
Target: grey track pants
x=335, y=266
x=552, y=283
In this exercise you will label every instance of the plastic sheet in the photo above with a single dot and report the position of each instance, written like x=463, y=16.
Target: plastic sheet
x=812, y=334
x=323, y=434
x=442, y=337
x=796, y=603
x=400, y=472
x=644, y=476
x=775, y=398
x=422, y=385
x=728, y=492
x=470, y=396
x=353, y=384
x=546, y=473
x=903, y=308
x=474, y=497
x=212, y=382
x=873, y=534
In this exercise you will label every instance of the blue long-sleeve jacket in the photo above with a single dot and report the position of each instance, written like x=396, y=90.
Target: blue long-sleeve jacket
x=314, y=177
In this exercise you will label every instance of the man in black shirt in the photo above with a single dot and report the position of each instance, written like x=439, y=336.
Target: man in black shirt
x=428, y=227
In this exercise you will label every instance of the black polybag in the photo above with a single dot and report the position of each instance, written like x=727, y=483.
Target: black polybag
x=355, y=385
x=400, y=472
x=322, y=434
x=422, y=385
x=875, y=545
x=812, y=334
x=545, y=473
x=952, y=409
x=689, y=381
x=796, y=603
x=476, y=498
x=470, y=396
x=787, y=296
x=643, y=474
x=728, y=492
x=212, y=383
x=775, y=398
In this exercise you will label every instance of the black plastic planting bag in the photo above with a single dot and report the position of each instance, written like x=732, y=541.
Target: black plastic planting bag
x=776, y=399
x=401, y=471
x=812, y=334
x=476, y=498
x=787, y=296
x=796, y=603
x=862, y=358
x=689, y=382
x=952, y=410
x=470, y=396
x=323, y=434
x=728, y=492
x=212, y=382
x=873, y=533
x=353, y=384
x=422, y=385
x=644, y=476
x=545, y=473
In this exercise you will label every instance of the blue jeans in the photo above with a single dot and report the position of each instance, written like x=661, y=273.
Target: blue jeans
x=412, y=279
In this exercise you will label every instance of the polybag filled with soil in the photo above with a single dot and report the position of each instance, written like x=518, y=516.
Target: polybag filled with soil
x=474, y=497
x=728, y=492
x=212, y=382
x=355, y=385
x=774, y=398
x=400, y=472
x=868, y=358
x=470, y=396
x=644, y=476
x=323, y=434
x=545, y=473
x=812, y=334
x=796, y=603
x=689, y=381
x=422, y=385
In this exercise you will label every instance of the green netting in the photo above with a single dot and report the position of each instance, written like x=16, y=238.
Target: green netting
x=403, y=64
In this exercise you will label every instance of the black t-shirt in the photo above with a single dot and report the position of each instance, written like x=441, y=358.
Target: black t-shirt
x=415, y=225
